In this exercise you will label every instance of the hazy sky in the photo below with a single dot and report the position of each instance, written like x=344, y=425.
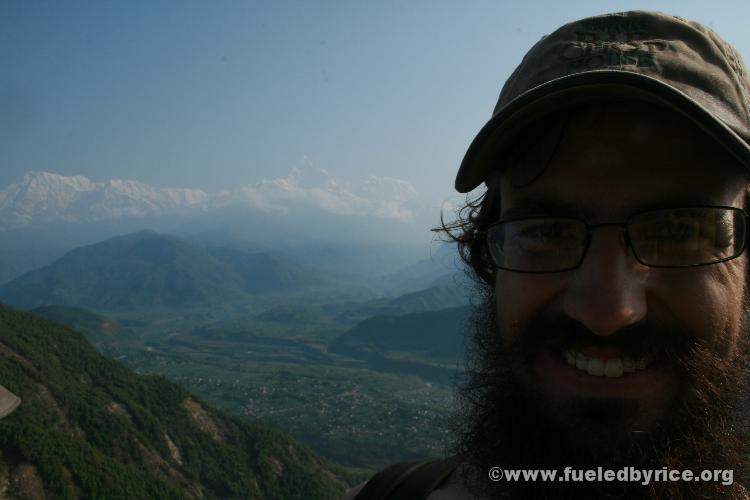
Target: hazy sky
x=218, y=94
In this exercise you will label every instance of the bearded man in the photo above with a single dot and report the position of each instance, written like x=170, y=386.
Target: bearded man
x=608, y=252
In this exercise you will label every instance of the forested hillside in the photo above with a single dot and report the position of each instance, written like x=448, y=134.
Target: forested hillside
x=88, y=427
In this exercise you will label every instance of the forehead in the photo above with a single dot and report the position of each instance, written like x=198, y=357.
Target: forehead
x=611, y=159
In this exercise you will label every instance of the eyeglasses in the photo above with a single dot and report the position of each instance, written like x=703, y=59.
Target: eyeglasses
x=673, y=237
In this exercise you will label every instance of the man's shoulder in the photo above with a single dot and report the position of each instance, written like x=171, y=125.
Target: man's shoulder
x=426, y=479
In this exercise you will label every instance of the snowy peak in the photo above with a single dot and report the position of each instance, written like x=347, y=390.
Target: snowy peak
x=44, y=187
x=45, y=180
x=40, y=193
x=45, y=197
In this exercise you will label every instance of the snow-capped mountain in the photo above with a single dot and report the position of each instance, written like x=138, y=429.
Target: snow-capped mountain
x=46, y=197
x=43, y=215
x=43, y=197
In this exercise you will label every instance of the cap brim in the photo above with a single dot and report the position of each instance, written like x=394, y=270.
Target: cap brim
x=484, y=153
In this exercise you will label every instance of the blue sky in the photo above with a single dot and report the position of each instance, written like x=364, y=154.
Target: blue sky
x=215, y=95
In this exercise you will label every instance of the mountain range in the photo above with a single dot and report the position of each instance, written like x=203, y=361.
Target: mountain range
x=372, y=228
x=42, y=197
x=147, y=270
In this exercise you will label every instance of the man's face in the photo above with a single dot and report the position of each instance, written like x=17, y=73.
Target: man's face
x=524, y=405
x=611, y=162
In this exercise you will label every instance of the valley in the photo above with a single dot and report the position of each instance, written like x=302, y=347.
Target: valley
x=360, y=369
x=362, y=409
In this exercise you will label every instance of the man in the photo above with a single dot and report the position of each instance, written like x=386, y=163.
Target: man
x=609, y=256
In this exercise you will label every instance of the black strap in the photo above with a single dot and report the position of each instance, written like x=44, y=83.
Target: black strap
x=408, y=480
x=424, y=480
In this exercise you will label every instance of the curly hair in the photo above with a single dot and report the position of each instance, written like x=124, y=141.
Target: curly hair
x=473, y=219
x=467, y=232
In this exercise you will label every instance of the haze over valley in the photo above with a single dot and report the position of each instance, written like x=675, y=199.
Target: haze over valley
x=346, y=342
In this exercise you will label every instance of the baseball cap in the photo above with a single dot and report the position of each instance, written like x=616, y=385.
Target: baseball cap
x=640, y=55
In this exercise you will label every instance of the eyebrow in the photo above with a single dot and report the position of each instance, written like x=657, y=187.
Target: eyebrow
x=556, y=206
x=528, y=206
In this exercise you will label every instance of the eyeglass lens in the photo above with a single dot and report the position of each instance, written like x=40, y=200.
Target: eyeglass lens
x=679, y=237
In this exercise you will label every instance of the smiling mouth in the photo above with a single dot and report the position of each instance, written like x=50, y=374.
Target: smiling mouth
x=597, y=371
x=611, y=367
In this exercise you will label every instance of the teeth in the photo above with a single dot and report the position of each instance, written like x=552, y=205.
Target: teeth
x=595, y=367
x=570, y=356
x=628, y=365
x=581, y=361
x=613, y=367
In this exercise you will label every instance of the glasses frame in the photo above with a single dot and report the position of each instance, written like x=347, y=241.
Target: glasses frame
x=624, y=225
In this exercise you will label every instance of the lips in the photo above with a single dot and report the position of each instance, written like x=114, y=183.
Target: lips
x=602, y=372
x=606, y=365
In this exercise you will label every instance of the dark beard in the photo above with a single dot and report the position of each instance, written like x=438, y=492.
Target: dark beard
x=505, y=421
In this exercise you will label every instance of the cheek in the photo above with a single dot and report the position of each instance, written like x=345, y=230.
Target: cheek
x=520, y=297
x=708, y=301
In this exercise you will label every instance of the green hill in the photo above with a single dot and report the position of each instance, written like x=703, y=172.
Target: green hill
x=150, y=270
x=432, y=336
x=90, y=428
x=438, y=297
x=94, y=326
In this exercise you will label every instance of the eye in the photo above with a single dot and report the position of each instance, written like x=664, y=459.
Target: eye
x=542, y=236
x=679, y=231
x=671, y=230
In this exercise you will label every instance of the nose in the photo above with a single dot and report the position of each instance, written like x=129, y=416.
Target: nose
x=607, y=293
